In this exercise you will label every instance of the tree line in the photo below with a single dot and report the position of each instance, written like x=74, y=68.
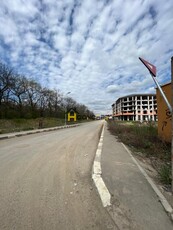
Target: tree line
x=21, y=97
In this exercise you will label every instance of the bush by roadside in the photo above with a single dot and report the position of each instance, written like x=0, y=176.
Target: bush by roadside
x=144, y=141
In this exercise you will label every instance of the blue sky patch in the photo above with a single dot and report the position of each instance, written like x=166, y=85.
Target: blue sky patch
x=89, y=48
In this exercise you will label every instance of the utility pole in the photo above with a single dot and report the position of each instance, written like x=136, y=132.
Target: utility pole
x=65, y=110
x=172, y=118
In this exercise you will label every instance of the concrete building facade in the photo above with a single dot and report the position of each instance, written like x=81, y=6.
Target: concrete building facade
x=135, y=107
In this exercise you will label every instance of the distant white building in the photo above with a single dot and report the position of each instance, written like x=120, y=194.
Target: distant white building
x=135, y=107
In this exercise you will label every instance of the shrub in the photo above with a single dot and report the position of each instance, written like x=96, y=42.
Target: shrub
x=141, y=137
x=165, y=174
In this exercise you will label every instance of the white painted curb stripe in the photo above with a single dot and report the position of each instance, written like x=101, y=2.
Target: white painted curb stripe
x=162, y=199
x=97, y=168
x=96, y=175
x=102, y=190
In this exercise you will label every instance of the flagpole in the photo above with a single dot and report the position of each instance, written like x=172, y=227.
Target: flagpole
x=172, y=119
x=163, y=95
x=152, y=70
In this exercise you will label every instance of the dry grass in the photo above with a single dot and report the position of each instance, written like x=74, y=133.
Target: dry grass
x=143, y=139
x=17, y=125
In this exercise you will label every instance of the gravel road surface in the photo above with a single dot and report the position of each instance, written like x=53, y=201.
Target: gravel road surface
x=45, y=181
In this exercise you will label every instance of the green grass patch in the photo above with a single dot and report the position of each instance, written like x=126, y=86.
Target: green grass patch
x=17, y=125
x=165, y=174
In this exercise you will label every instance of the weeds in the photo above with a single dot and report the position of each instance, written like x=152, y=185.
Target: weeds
x=144, y=139
x=165, y=174
x=17, y=125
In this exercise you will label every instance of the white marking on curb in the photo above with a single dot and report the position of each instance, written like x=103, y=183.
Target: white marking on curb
x=102, y=190
x=162, y=199
x=97, y=168
x=96, y=175
x=98, y=154
x=100, y=144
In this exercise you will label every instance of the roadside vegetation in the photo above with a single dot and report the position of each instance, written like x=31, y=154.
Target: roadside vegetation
x=144, y=141
x=17, y=125
x=24, y=103
x=21, y=124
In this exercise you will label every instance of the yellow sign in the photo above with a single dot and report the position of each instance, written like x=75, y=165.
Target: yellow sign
x=72, y=115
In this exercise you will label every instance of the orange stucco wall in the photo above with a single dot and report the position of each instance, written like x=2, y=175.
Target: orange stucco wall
x=163, y=113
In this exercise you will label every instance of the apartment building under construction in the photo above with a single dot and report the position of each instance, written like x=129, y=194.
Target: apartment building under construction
x=135, y=107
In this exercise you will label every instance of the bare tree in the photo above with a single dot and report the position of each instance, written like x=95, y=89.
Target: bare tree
x=70, y=103
x=33, y=90
x=18, y=91
x=6, y=81
x=43, y=102
x=20, y=97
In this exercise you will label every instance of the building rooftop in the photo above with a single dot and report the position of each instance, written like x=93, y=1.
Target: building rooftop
x=137, y=94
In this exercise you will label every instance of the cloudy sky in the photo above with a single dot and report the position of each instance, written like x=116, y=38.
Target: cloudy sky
x=88, y=47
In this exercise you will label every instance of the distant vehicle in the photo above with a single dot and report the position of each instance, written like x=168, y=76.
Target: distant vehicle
x=108, y=118
x=97, y=117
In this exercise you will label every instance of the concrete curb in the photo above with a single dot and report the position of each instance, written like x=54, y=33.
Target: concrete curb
x=161, y=197
x=19, y=134
x=97, y=172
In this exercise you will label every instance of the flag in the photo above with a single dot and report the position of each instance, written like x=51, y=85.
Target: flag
x=149, y=66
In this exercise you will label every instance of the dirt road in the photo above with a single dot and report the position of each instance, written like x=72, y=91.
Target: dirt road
x=45, y=181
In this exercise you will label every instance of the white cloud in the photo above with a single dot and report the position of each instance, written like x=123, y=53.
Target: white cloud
x=113, y=88
x=88, y=47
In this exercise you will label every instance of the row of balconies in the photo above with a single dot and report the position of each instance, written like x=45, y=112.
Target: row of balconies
x=138, y=102
x=138, y=99
x=138, y=113
x=138, y=109
x=124, y=106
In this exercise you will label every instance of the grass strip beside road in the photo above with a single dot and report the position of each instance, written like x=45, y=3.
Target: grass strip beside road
x=17, y=125
x=144, y=142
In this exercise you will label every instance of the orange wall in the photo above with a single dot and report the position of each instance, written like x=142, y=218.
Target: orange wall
x=164, y=116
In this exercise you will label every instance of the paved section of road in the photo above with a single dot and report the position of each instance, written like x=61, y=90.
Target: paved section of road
x=135, y=205
x=45, y=181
